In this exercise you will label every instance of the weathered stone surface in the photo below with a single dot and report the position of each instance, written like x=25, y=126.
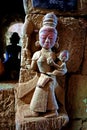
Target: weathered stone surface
x=7, y=107
x=82, y=6
x=74, y=125
x=25, y=75
x=77, y=93
x=84, y=127
x=84, y=63
x=68, y=29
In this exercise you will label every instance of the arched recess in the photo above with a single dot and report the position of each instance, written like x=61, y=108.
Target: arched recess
x=6, y=22
x=14, y=27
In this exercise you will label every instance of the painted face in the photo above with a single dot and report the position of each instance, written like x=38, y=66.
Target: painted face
x=47, y=37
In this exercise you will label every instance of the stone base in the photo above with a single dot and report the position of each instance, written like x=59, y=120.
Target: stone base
x=36, y=123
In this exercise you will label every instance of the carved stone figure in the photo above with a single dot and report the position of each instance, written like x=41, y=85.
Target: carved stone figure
x=44, y=99
x=42, y=92
x=61, y=63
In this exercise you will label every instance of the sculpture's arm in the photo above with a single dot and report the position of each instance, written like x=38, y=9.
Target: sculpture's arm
x=59, y=72
x=58, y=69
x=35, y=57
x=33, y=65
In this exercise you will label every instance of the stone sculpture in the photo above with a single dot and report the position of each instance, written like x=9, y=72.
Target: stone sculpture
x=44, y=99
x=44, y=62
x=45, y=66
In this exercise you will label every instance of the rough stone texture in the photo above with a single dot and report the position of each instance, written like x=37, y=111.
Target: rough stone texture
x=77, y=92
x=84, y=64
x=84, y=127
x=82, y=6
x=69, y=40
x=74, y=125
x=7, y=107
x=24, y=75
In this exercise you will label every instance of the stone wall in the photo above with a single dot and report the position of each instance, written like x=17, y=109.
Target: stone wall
x=7, y=106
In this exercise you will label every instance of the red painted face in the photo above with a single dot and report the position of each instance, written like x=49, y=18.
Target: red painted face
x=47, y=37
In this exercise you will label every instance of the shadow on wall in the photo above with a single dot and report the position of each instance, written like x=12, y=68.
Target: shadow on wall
x=16, y=27
x=10, y=64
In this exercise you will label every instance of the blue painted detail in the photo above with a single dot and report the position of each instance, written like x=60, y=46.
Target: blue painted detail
x=63, y=5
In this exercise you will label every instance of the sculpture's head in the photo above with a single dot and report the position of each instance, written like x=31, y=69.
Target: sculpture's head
x=47, y=37
x=64, y=55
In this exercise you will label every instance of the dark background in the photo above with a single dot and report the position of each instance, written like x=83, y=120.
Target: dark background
x=11, y=11
x=11, y=7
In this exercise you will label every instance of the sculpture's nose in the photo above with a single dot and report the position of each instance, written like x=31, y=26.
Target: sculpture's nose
x=47, y=39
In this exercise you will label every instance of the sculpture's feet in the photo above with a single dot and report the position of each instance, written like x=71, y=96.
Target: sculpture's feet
x=32, y=114
x=52, y=114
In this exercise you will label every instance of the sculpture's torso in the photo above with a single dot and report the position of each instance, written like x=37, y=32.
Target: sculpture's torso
x=43, y=66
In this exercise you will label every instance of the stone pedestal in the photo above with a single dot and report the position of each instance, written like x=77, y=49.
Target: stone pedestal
x=37, y=123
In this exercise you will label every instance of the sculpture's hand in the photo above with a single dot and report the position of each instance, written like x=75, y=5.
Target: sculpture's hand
x=50, y=61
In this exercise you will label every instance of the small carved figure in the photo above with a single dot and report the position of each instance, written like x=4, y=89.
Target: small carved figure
x=63, y=57
x=61, y=63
